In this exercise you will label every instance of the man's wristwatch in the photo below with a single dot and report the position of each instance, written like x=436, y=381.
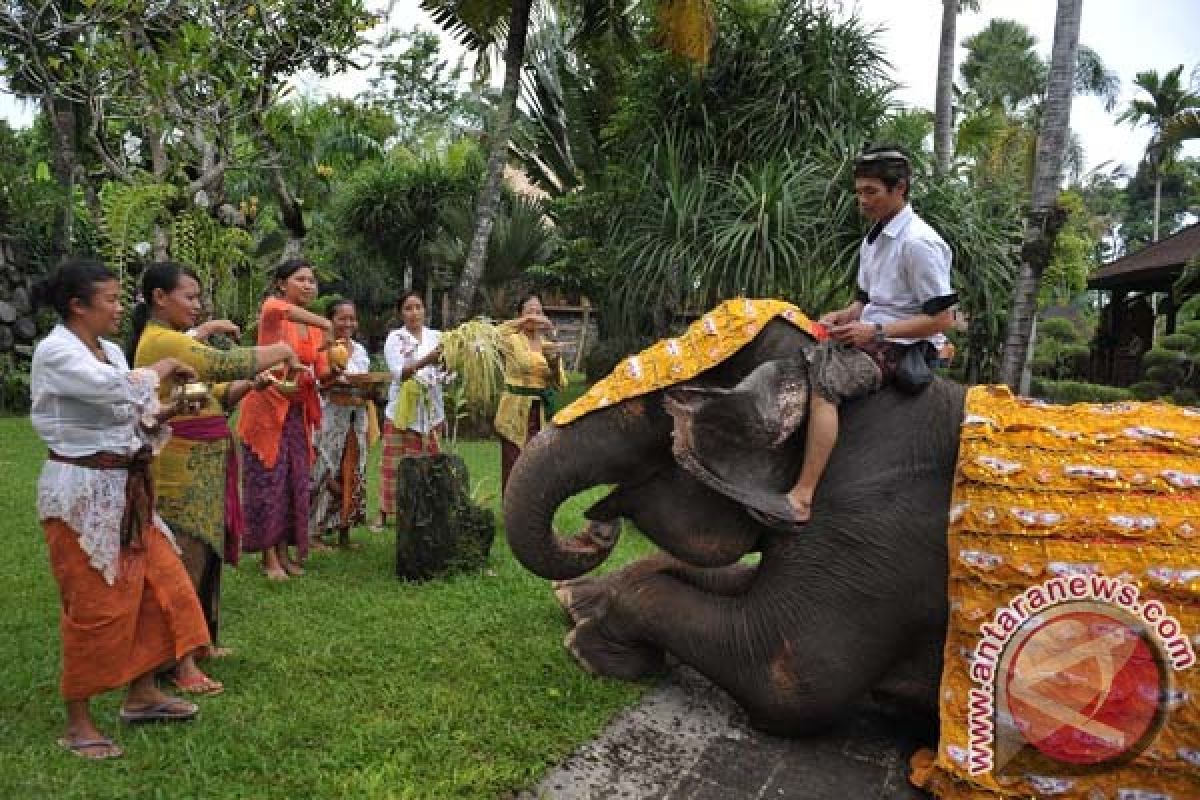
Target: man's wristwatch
x=879, y=332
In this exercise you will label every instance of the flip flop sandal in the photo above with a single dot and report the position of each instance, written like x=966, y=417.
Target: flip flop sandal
x=160, y=712
x=204, y=687
x=81, y=747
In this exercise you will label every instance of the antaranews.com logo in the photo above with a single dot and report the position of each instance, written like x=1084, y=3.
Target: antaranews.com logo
x=1073, y=675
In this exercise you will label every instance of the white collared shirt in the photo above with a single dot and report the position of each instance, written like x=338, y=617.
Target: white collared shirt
x=906, y=266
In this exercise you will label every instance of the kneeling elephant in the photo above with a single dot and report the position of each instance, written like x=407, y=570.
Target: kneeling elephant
x=854, y=602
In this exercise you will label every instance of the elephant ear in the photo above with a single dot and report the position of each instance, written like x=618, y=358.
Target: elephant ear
x=740, y=441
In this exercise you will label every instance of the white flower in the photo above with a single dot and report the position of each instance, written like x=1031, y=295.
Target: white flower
x=201, y=199
x=172, y=137
x=142, y=249
x=131, y=145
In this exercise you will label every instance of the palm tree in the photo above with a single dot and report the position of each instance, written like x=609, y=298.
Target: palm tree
x=1044, y=217
x=943, y=135
x=685, y=29
x=1168, y=99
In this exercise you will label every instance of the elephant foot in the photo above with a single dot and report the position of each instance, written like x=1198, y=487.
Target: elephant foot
x=599, y=655
x=581, y=598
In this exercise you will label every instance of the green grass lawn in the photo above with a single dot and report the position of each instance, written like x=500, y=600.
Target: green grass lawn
x=345, y=683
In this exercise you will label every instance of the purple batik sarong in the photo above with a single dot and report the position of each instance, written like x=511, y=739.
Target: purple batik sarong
x=275, y=500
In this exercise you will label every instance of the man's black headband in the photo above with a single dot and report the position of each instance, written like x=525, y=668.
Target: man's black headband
x=881, y=155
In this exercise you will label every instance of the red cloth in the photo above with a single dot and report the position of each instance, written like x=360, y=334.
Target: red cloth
x=212, y=429
x=260, y=422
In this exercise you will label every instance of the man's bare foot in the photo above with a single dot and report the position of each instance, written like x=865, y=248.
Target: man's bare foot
x=801, y=505
x=212, y=651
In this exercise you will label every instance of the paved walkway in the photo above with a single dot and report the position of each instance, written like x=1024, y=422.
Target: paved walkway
x=687, y=740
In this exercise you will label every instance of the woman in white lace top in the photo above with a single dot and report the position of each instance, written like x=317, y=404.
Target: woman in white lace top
x=128, y=607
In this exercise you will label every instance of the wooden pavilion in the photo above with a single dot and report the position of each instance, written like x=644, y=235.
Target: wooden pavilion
x=1141, y=288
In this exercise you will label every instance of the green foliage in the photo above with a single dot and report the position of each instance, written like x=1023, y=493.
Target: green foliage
x=1180, y=194
x=1185, y=397
x=1074, y=255
x=1067, y=392
x=1002, y=65
x=1149, y=390
x=1183, y=342
x=131, y=213
x=1060, y=352
x=14, y=384
x=603, y=356
x=223, y=257
x=1159, y=356
x=417, y=87
x=394, y=210
x=521, y=240
x=1059, y=329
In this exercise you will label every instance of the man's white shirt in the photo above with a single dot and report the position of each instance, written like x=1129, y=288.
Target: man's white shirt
x=905, y=272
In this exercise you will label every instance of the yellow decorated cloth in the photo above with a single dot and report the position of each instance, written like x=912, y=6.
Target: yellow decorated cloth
x=707, y=342
x=1074, y=586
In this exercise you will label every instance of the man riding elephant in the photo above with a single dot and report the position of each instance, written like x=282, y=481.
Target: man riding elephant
x=904, y=303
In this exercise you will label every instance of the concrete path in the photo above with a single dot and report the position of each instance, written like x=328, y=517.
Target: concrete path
x=687, y=740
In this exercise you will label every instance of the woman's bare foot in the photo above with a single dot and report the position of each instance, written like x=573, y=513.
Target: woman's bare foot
x=272, y=568
x=293, y=569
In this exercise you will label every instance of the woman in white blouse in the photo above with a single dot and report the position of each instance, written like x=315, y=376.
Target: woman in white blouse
x=415, y=415
x=128, y=607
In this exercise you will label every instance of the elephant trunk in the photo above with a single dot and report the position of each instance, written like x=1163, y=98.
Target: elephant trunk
x=559, y=463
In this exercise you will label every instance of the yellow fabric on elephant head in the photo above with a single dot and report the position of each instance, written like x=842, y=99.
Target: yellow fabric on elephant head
x=707, y=342
x=1074, y=588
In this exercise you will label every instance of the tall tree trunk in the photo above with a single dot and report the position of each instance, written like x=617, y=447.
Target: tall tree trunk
x=1045, y=218
x=943, y=126
x=1157, y=201
x=65, y=148
x=489, y=193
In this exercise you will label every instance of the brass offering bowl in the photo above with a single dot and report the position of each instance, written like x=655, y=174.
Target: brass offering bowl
x=194, y=393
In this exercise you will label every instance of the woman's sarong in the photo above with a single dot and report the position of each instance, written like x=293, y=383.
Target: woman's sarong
x=114, y=634
x=509, y=452
x=401, y=443
x=275, y=500
x=339, y=474
x=196, y=476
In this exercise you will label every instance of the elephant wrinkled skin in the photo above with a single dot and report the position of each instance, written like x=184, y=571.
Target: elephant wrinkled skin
x=853, y=602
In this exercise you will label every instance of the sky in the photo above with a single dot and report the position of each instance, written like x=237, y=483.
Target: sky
x=1129, y=35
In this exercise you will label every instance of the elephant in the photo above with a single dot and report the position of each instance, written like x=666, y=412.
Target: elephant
x=854, y=603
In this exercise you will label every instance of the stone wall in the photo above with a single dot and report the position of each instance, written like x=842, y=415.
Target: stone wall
x=18, y=326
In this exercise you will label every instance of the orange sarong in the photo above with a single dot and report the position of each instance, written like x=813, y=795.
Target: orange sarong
x=113, y=634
